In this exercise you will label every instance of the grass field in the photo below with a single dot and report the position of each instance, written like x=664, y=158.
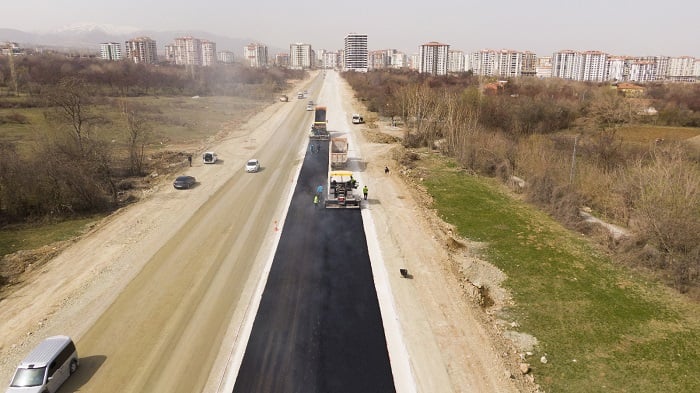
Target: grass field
x=31, y=236
x=170, y=120
x=602, y=327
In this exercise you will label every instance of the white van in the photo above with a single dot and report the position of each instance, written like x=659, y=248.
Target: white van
x=46, y=368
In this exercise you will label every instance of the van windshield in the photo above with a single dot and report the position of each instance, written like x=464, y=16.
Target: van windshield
x=25, y=377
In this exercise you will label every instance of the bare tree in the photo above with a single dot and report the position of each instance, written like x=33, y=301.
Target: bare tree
x=71, y=106
x=137, y=135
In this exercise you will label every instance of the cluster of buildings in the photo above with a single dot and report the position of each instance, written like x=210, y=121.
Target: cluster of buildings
x=438, y=59
x=183, y=51
x=432, y=58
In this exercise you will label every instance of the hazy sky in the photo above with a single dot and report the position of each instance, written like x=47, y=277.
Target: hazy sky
x=618, y=27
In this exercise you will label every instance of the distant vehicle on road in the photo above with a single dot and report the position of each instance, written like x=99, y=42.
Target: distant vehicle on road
x=253, y=165
x=184, y=182
x=300, y=95
x=309, y=107
x=46, y=367
x=357, y=119
x=284, y=98
x=209, y=157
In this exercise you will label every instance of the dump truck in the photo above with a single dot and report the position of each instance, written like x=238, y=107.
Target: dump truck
x=341, y=191
x=319, y=128
x=339, y=152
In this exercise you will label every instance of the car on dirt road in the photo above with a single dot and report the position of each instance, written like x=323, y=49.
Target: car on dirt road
x=253, y=165
x=209, y=157
x=184, y=182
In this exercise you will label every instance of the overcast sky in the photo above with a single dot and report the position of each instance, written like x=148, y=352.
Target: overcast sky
x=618, y=27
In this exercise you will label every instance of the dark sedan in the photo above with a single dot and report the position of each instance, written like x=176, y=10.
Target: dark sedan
x=183, y=182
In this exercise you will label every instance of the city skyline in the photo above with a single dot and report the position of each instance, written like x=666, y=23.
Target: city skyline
x=545, y=26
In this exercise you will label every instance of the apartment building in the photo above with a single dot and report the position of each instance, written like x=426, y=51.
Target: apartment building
x=300, y=56
x=681, y=69
x=456, y=61
x=330, y=60
x=208, y=53
x=356, y=55
x=379, y=59
x=529, y=64
x=225, y=57
x=188, y=51
x=255, y=54
x=111, y=51
x=433, y=58
x=594, y=66
x=398, y=59
x=483, y=62
x=141, y=50
x=543, y=67
x=282, y=60
x=509, y=63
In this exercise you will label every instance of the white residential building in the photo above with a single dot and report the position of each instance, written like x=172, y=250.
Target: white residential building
x=433, y=58
x=617, y=69
x=483, y=62
x=566, y=64
x=456, y=61
x=356, y=55
x=594, y=65
x=642, y=71
x=300, y=56
x=330, y=60
x=509, y=63
x=681, y=69
x=255, y=55
x=141, y=50
x=111, y=51
x=208, y=53
x=188, y=51
x=225, y=57
x=398, y=59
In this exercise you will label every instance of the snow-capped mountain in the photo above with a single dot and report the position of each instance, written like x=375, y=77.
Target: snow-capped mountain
x=89, y=36
x=80, y=28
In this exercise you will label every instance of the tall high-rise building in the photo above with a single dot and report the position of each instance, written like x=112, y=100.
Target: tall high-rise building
x=255, y=55
x=141, y=50
x=457, y=63
x=208, y=53
x=300, y=56
x=594, y=66
x=433, y=58
x=356, y=54
x=225, y=57
x=111, y=51
x=188, y=51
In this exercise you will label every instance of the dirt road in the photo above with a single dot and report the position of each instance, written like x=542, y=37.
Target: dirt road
x=155, y=294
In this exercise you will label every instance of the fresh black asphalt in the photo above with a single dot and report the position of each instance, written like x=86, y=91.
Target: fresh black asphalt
x=318, y=328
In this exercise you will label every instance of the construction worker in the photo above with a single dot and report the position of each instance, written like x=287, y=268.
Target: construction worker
x=319, y=189
x=364, y=191
x=315, y=200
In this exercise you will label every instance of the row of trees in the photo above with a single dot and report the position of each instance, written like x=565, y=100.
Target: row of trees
x=32, y=75
x=562, y=138
x=72, y=169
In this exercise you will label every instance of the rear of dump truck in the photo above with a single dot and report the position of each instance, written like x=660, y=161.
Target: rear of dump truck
x=339, y=152
x=319, y=128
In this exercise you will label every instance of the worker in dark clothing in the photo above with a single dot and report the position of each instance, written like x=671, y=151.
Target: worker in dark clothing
x=189, y=159
x=386, y=170
x=364, y=191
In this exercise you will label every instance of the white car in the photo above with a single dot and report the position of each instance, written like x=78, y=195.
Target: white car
x=252, y=165
x=209, y=157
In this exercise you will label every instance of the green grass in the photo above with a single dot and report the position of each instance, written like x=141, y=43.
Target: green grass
x=28, y=237
x=602, y=327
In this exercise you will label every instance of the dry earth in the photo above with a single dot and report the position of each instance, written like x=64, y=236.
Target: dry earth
x=453, y=343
